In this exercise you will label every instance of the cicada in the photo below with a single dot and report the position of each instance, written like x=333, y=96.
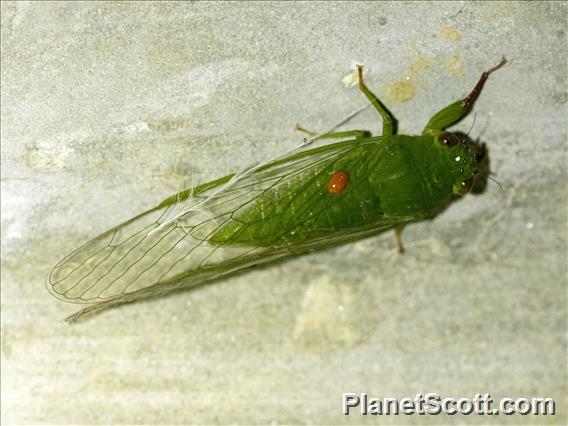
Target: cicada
x=302, y=201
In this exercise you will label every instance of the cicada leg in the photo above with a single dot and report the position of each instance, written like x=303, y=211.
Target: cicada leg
x=398, y=235
x=358, y=134
x=458, y=110
x=389, y=122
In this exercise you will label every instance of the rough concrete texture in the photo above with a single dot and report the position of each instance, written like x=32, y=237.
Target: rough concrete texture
x=109, y=107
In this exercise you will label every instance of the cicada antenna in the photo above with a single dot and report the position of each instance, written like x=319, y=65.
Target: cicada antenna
x=472, y=124
x=494, y=180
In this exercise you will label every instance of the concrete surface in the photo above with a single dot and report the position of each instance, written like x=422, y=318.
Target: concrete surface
x=109, y=107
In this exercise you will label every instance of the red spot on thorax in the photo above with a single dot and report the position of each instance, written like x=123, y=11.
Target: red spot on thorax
x=338, y=182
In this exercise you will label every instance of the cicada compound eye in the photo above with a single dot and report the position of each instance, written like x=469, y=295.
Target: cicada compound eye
x=448, y=139
x=465, y=186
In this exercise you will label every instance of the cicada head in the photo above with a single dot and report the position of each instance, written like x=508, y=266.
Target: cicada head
x=464, y=160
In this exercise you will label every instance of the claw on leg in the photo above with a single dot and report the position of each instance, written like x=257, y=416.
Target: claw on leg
x=470, y=99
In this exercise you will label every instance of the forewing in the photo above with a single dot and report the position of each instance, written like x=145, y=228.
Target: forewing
x=171, y=243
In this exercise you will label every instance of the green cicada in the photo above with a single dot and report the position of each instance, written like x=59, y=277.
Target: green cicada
x=302, y=201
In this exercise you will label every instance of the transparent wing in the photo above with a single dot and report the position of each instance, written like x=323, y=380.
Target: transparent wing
x=170, y=246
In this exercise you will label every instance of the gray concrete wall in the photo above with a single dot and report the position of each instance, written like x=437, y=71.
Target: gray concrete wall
x=109, y=107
